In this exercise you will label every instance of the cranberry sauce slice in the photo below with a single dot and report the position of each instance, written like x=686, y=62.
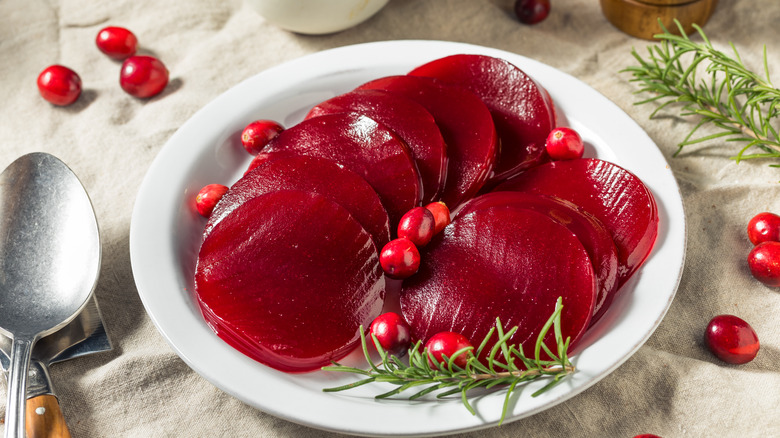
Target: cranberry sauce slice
x=364, y=146
x=310, y=174
x=407, y=118
x=287, y=278
x=464, y=122
x=501, y=262
x=589, y=230
x=612, y=194
x=519, y=106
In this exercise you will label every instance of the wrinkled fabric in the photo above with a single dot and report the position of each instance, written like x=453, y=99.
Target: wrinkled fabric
x=672, y=386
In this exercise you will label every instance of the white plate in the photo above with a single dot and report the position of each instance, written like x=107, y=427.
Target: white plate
x=165, y=235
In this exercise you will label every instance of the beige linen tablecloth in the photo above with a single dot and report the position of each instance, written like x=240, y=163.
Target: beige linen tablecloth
x=672, y=386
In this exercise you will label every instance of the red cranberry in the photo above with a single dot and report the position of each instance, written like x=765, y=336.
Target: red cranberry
x=143, y=76
x=647, y=435
x=258, y=133
x=764, y=263
x=731, y=339
x=59, y=85
x=400, y=258
x=392, y=332
x=441, y=215
x=447, y=343
x=564, y=144
x=417, y=225
x=764, y=227
x=116, y=42
x=208, y=197
x=532, y=11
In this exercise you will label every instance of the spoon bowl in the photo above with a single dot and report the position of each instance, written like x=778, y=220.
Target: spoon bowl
x=49, y=261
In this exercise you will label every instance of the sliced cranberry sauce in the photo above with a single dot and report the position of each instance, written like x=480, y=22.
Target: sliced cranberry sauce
x=364, y=146
x=464, y=122
x=407, y=118
x=287, y=278
x=612, y=194
x=310, y=174
x=518, y=104
x=503, y=262
x=589, y=230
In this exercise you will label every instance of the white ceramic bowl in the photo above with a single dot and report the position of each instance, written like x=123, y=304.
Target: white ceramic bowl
x=165, y=234
x=316, y=16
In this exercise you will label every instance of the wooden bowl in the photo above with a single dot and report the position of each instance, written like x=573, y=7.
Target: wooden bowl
x=640, y=18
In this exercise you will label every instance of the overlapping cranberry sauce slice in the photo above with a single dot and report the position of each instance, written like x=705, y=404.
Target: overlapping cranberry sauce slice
x=589, y=230
x=519, y=106
x=310, y=174
x=364, y=146
x=287, y=278
x=503, y=262
x=465, y=124
x=407, y=118
x=615, y=196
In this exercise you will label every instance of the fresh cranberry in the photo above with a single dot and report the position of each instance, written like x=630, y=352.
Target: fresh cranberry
x=400, y=258
x=59, y=85
x=764, y=227
x=564, y=144
x=208, y=197
x=116, y=42
x=647, y=435
x=441, y=215
x=417, y=225
x=143, y=76
x=532, y=11
x=447, y=343
x=258, y=133
x=392, y=332
x=764, y=263
x=731, y=339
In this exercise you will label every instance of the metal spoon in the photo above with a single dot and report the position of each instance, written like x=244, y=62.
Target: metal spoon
x=49, y=261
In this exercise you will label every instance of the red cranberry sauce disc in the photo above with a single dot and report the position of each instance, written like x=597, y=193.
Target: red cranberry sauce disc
x=501, y=262
x=612, y=194
x=287, y=278
x=310, y=174
x=363, y=146
x=407, y=118
x=589, y=230
x=518, y=105
x=464, y=122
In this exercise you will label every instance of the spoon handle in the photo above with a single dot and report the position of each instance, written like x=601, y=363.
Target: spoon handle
x=21, y=350
x=45, y=419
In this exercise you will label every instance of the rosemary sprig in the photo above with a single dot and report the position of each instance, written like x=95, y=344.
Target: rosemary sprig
x=741, y=104
x=506, y=367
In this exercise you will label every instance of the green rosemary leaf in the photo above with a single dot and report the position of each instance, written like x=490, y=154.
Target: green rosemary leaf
x=345, y=369
x=350, y=385
x=430, y=389
x=736, y=101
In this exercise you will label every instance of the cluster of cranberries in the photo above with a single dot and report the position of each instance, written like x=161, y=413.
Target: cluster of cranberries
x=140, y=76
x=400, y=258
x=764, y=260
x=730, y=338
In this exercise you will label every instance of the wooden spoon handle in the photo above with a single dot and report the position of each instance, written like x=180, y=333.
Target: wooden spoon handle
x=45, y=419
